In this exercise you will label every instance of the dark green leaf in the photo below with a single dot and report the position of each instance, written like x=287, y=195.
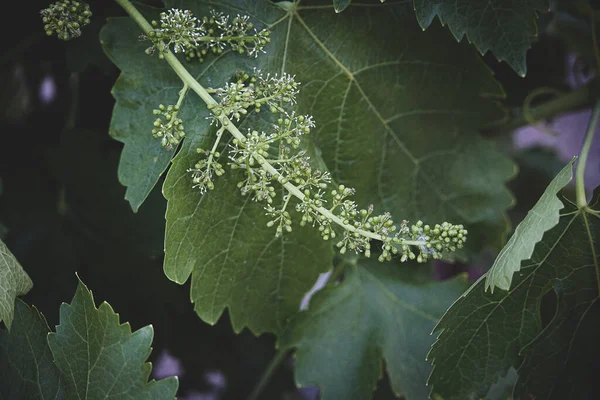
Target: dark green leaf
x=26, y=367
x=545, y=326
x=397, y=111
x=506, y=27
x=101, y=358
x=542, y=217
x=14, y=282
x=379, y=311
x=422, y=130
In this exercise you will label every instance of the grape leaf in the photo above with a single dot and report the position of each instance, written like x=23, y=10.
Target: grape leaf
x=542, y=217
x=26, y=367
x=430, y=164
x=397, y=113
x=484, y=334
x=100, y=358
x=379, y=311
x=14, y=282
x=506, y=27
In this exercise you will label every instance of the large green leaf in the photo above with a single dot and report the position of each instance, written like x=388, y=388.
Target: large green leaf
x=14, y=282
x=26, y=367
x=542, y=217
x=378, y=311
x=397, y=111
x=506, y=27
x=545, y=325
x=99, y=357
x=409, y=147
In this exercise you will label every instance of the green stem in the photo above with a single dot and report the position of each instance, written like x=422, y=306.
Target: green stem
x=182, y=94
x=214, y=149
x=268, y=374
x=583, y=156
x=188, y=79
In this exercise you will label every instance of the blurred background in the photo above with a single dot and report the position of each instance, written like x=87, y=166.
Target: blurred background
x=62, y=209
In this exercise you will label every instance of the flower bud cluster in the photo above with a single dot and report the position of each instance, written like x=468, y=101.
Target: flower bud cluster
x=255, y=91
x=265, y=158
x=66, y=18
x=168, y=127
x=428, y=242
x=203, y=171
x=195, y=37
x=178, y=28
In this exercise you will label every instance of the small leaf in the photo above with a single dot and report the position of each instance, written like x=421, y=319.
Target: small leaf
x=26, y=367
x=101, y=358
x=506, y=27
x=340, y=5
x=545, y=325
x=14, y=282
x=378, y=311
x=542, y=217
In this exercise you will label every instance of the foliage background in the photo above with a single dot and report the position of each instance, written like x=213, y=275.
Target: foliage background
x=62, y=208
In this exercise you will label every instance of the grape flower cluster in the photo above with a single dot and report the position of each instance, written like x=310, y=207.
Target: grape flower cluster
x=169, y=130
x=276, y=157
x=185, y=33
x=269, y=159
x=66, y=18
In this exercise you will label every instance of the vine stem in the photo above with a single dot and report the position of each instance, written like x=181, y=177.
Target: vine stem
x=266, y=376
x=188, y=79
x=583, y=156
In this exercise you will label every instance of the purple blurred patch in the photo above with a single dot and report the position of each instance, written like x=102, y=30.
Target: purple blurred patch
x=565, y=133
x=565, y=136
x=47, y=91
x=319, y=284
x=167, y=365
x=309, y=393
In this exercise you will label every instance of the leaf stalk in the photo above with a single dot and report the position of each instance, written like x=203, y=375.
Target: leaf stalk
x=581, y=198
